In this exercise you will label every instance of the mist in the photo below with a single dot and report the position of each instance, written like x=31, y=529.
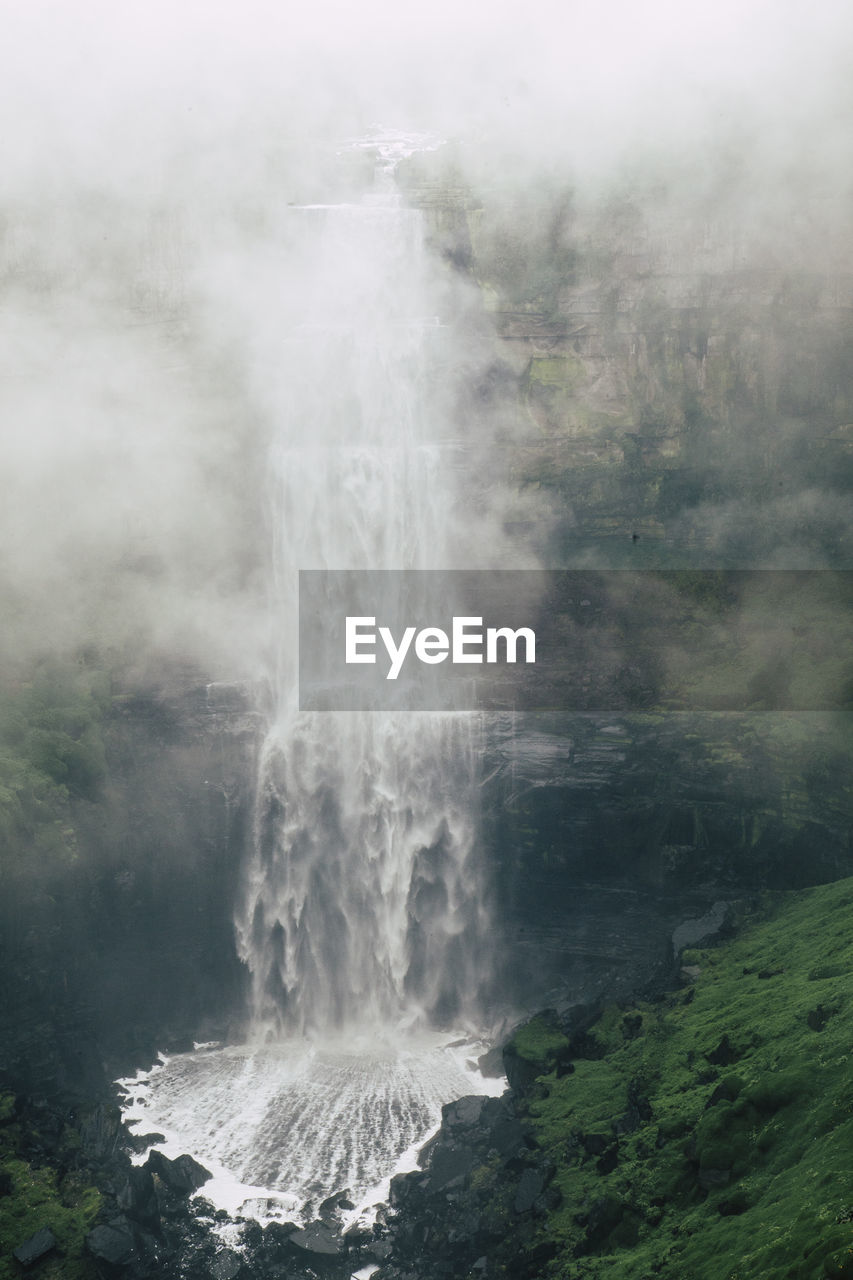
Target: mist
x=149, y=155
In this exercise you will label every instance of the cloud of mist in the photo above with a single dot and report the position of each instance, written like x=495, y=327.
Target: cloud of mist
x=148, y=153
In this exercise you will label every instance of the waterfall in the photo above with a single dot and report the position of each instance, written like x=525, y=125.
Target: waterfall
x=361, y=903
x=362, y=916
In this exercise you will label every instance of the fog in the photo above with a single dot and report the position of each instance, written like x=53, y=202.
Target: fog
x=148, y=154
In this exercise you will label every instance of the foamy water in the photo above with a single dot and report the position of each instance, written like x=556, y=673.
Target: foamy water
x=285, y=1126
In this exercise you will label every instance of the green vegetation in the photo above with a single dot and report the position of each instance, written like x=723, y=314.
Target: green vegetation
x=51, y=753
x=538, y=1042
x=39, y=1197
x=713, y=1136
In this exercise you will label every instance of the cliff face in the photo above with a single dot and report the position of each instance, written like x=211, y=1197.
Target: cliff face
x=666, y=376
x=607, y=835
x=117, y=923
x=676, y=350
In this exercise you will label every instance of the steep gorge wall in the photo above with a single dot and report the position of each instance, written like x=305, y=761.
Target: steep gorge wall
x=669, y=383
x=674, y=351
x=117, y=933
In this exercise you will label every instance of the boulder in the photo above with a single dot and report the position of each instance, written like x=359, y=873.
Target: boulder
x=34, y=1248
x=529, y=1190
x=335, y=1205
x=112, y=1242
x=182, y=1176
x=450, y=1162
x=138, y=1198
x=464, y=1112
x=318, y=1241
x=225, y=1265
x=140, y=1142
x=491, y=1063
x=724, y=1054
x=699, y=931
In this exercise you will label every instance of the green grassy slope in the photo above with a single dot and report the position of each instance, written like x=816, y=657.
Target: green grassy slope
x=37, y=1195
x=710, y=1134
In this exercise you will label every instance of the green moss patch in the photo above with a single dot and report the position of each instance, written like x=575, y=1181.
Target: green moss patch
x=713, y=1140
x=38, y=1197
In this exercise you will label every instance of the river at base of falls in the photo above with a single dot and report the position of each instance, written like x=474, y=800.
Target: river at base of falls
x=284, y=1126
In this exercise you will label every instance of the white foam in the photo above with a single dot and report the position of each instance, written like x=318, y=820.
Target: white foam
x=283, y=1127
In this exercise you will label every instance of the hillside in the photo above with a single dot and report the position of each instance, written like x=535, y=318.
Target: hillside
x=706, y=1133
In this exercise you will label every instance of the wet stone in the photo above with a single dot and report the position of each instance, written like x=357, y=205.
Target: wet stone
x=319, y=1239
x=530, y=1187
x=225, y=1265
x=34, y=1248
x=182, y=1176
x=112, y=1243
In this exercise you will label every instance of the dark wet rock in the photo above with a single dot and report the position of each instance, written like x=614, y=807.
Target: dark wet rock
x=577, y=1022
x=112, y=1242
x=605, y=1214
x=639, y=1111
x=101, y=1132
x=252, y=1235
x=378, y=1250
x=180, y=1044
x=530, y=1264
x=632, y=1025
x=140, y=1142
x=225, y=1265
x=332, y=1208
x=274, y=1240
x=181, y=1176
x=595, y=1144
x=726, y=1091
x=318, y=1241
x=404, y=1186
x=724, y=1054
x=452, y=1212
x=711, y=1178
x=818, y=1018
x=530, y=1187
x=34, y=1248
x=358, y=1236
x=138, y=1197
x=507, y=1136
x=450, y=1163
x=520, y=1073
x=701, y=930
x=609, y=1160
x=491, y=1063
x=464, y=1112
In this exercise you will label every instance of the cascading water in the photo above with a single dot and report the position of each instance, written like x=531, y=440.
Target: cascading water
x=362, y=908
x=361, y=905
x=362, y=919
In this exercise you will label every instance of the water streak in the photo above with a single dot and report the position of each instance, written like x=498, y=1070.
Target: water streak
x=362, y=902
